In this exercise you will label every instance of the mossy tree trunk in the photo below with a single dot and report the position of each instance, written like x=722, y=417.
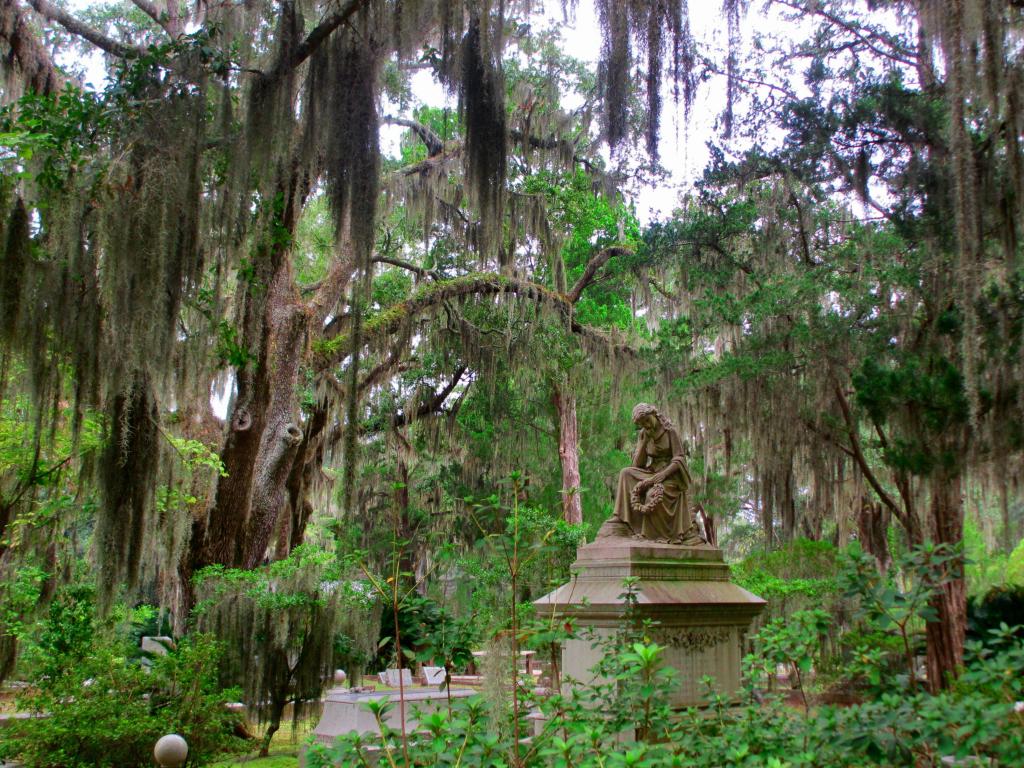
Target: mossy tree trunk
x=564, y=400
x=945, y=636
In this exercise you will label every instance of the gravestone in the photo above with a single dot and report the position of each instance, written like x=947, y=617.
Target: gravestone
x=434, y=675
x=398, y=677
x=702, y=618
x=345, y=710
x=156, y=645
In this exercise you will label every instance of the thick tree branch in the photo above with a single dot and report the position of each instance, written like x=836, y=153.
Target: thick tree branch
x=432, y=405
x=552, y=142
x=20, y=45
x=661, y=289
x=379, y=371
x=394, y=261
x=452, y=151
x=433, y=142
x=858, y=454
x=899, y=476
x=590, y=271
x=83, y=30
x=827, y=436
x=174, y=22
x=805, y=244
x=330, y=289
x=154, y=13
x=328, y=352
x=314, y=39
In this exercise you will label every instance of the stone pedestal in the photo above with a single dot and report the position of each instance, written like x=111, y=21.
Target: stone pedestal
x=702, y=617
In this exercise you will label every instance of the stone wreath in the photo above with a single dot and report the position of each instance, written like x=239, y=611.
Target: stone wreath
x=645, y=506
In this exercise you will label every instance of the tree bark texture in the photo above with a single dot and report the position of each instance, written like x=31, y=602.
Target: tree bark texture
x=945, y=635
x=872, y=531
x=568, y=453
x=1008, y=539
x=222, y=539
x=308, y=460
x=281, y=436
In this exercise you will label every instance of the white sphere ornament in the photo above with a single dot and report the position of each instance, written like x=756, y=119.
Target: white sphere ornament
x=171, y=751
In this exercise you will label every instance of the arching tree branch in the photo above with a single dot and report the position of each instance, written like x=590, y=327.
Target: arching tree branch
x=433, y=142
x=328, y=352
x=81, y=29
x=20, y=45
x=154, y=13
x=590, y=271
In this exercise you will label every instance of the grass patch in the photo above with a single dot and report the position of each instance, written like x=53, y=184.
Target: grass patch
x=284, y=748
x=274, y=761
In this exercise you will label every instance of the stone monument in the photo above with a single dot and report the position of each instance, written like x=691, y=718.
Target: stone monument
x=345, y=709
x=682, y=582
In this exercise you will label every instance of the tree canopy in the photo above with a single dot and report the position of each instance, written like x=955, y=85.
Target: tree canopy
x=832, y=313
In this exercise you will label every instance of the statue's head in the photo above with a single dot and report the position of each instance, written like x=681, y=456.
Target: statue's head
x=649, y=418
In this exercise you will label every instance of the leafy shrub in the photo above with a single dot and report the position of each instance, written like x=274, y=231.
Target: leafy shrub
x=628, y=722
x=798, y=576
x=97, y=707
x=623, y=718
x=1015, y=565
x=429, y=633
x=1000, y=605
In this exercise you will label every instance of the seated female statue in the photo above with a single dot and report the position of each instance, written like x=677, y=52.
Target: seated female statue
x=651, y=501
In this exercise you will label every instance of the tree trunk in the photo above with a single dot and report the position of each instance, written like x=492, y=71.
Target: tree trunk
x=945, y=635
x=788, y=508
x=872, y=531
x=568, y=453
x=281, y=435
x=261, y=433
x=276, y=714
x=1004, y=508
x=308, y=460
x=263, y=328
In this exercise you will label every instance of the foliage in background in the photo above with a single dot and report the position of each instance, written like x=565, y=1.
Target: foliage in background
x=282, y=621
x=95, y=703
x=624, y=719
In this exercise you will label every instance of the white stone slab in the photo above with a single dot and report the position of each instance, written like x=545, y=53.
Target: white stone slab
x=434, y=675
x=345, y=711
x=156, y=645
x=392, y=678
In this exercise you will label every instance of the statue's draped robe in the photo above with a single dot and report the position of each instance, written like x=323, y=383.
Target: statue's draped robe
x=670, y=520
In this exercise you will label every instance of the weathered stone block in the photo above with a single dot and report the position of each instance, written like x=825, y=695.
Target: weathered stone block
x=702, y=618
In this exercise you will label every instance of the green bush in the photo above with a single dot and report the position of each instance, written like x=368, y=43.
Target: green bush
x=624, y=718
x=1015, y=565
x=97, y=707
x=629, y=723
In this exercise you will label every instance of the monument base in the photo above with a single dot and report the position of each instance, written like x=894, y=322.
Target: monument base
x=701, y=617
